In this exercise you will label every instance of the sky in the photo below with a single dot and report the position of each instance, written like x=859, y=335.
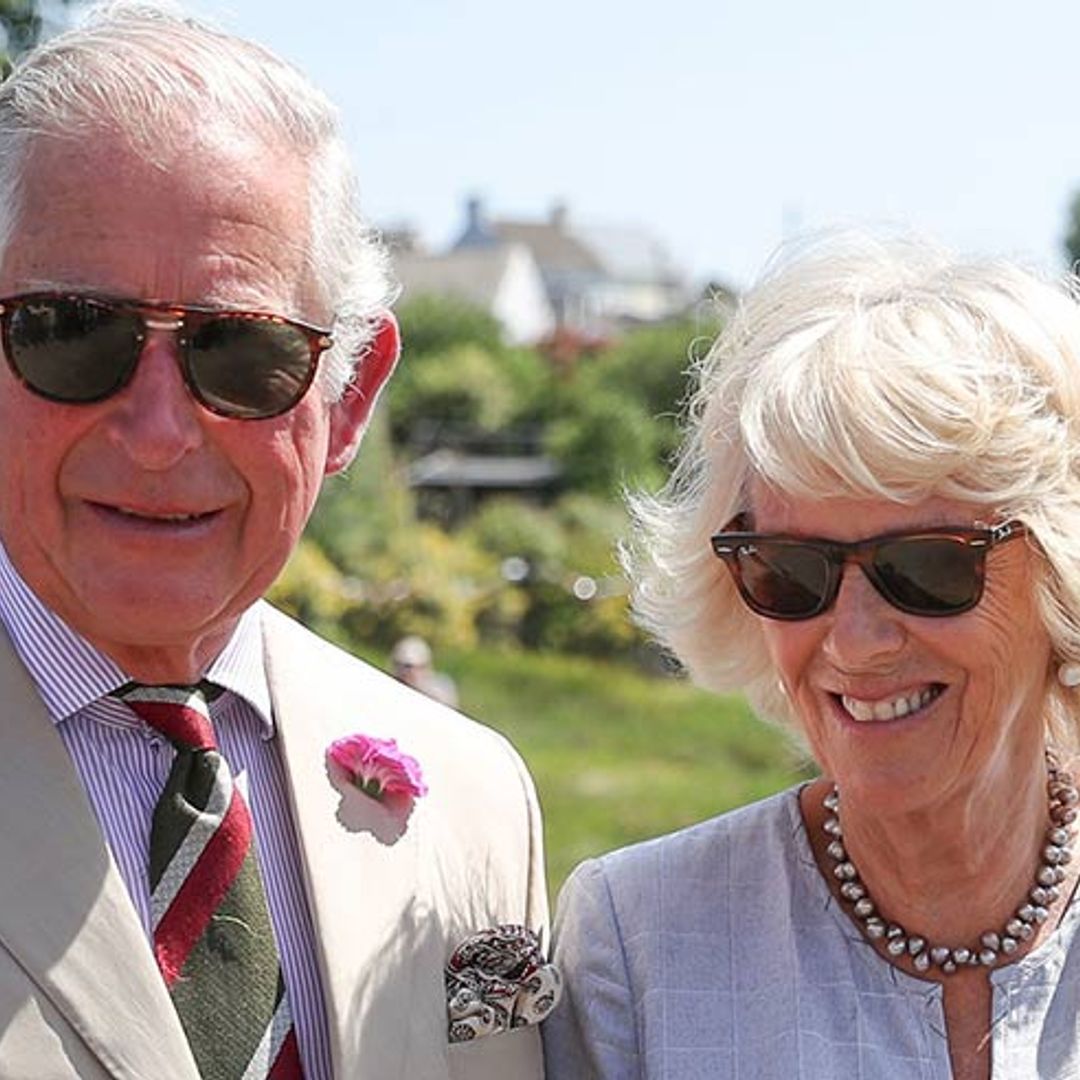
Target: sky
x=722, y=128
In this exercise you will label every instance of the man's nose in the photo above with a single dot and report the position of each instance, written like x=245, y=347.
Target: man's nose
x=154, y=418
x=864, y=629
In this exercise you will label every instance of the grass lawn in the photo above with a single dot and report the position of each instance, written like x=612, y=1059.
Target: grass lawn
x=618, y=755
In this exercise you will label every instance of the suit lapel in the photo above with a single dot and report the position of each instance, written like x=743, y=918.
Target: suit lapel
x=363, y=873
x=64, y=911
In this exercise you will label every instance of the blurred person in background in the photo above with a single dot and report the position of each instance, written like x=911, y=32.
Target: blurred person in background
x=229, y=849
x=413, y=665
x=873, y=530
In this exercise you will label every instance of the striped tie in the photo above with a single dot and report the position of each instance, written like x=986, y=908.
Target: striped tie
x=212, y=934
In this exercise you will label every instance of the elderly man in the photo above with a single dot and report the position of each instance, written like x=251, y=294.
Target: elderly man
x=195, y=331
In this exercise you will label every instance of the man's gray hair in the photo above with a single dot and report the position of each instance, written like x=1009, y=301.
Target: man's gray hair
x=141, y=67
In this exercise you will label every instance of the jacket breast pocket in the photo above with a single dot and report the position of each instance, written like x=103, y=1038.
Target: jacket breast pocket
x=510, y=1055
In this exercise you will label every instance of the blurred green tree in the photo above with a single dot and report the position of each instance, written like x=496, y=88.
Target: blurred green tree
x=23, y=25
x=1072, y=234
x=516, y=572
x=456, y=374
x=465, y=385
x=570, y=596
x=433, y=324
x=650, y=368
x=511, y=528
x=361, y=513
x=605, y=441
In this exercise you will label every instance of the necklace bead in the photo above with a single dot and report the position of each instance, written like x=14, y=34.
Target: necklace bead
x=1063, y=798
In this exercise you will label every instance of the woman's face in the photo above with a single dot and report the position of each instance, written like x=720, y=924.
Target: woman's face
x=975, y=683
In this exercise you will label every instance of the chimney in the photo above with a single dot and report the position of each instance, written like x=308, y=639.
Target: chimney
x=476, y=232
x=558, y=216
x=474, y=214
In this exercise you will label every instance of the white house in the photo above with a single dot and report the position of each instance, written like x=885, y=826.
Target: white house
x=598, y=279
x=501, y=278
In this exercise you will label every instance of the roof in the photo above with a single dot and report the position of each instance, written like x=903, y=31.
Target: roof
x=472, y=274
x=449, y=468
x=629, y=254
x=552, y=247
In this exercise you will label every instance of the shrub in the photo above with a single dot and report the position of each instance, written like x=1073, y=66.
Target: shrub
x=604, y=442
x=434, y=324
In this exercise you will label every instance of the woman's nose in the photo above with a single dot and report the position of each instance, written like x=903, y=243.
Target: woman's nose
x=863, y=627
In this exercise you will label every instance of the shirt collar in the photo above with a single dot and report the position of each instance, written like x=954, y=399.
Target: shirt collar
x=70, y=673
x=241, y=668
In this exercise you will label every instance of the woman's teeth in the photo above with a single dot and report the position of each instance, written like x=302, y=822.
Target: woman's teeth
x=892, y=708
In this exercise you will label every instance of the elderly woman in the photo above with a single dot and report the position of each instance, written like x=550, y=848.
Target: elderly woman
x=874, y=532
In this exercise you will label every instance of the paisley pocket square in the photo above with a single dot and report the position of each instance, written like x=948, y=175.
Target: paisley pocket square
x=497, y=980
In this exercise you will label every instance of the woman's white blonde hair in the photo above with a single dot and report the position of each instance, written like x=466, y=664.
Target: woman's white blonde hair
x=885, y=369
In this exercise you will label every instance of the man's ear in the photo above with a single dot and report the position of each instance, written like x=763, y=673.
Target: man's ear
x=349, y=416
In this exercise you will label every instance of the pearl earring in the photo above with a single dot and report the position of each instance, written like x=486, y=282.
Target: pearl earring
x=1069, y=675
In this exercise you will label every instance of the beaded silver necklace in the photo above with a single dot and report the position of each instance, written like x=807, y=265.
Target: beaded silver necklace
x=1063, y=798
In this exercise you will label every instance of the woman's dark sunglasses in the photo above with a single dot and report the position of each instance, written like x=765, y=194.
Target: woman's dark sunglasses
x=81, y=349
x=933, y=572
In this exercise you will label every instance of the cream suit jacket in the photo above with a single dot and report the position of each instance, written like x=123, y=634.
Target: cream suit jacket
x=80, y=995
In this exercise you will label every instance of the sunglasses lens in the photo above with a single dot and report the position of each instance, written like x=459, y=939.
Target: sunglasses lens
x=250, y=367
x=929, y=575
x=70, y=349
x=782, y=580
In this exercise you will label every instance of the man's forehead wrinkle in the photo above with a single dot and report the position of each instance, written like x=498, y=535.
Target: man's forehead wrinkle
x=241, y=207
x=241, y=276
x=291, y=248
x=231, y=270
x=226, y=294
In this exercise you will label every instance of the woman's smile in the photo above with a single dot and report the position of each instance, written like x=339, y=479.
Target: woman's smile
x=894, y=707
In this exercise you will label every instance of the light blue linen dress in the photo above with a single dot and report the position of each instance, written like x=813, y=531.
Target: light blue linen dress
x=718, y=952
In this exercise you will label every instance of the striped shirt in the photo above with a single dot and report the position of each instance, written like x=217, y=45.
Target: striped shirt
x=123, y=764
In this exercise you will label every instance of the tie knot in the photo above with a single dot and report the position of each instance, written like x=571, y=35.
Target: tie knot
x=180, y=713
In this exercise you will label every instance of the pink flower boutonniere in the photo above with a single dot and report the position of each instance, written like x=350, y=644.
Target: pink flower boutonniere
x=378, y=768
